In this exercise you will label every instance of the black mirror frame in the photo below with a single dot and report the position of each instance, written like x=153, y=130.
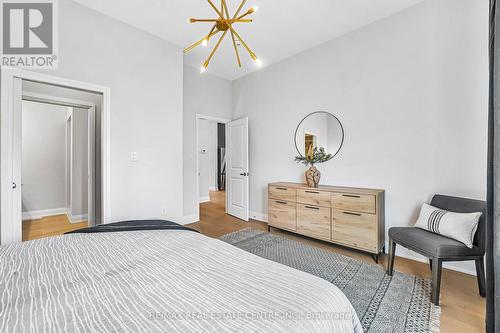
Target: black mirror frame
x=310, y=114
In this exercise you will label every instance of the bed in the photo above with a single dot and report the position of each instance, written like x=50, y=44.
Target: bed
x=159, y=279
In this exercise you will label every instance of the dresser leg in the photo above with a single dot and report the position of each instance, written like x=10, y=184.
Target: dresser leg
x=268, y=228
x=375, y=257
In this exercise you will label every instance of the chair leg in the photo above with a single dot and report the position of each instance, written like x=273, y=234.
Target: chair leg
x=390, y=260
x=437, y=265
x=480, y=276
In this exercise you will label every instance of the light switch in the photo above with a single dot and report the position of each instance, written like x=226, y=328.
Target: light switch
x=133, y=157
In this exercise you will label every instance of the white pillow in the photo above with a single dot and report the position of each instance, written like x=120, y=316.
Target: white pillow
x=459, y=226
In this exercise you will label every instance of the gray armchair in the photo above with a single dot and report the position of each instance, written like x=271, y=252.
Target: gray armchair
x=439, y=248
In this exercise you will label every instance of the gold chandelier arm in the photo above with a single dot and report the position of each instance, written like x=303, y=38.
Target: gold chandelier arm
x=215, y=49
x=194, y=20
x=210, y=33
x=250, y=11
x=189, y=48
x=254, y=57
x=239, y=21
x=215, y=8
x=236, y=49
x=224, y=8
x=243, y=2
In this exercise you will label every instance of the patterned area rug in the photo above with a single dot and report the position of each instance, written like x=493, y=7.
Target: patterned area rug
x=383, y=303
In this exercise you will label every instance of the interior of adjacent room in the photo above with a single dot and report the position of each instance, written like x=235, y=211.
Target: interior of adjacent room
x=55, y=169
x=58, y=176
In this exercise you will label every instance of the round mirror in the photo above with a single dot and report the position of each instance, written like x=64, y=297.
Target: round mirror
x=319, y=130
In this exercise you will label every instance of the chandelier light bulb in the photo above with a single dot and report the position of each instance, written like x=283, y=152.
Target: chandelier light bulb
x=255, y=8
x=258, y=62
x=204, y=42
x=203, y=69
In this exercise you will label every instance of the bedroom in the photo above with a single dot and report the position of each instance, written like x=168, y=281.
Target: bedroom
x=407, y=80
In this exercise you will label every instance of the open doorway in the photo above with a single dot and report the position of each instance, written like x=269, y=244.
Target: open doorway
x=222, y=166
x=211, y=164
x=55, y=168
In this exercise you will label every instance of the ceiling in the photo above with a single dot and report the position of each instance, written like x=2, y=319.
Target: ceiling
x=281, y=28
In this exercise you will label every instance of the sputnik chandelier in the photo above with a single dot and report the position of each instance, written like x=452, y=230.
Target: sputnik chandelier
x=224, y=23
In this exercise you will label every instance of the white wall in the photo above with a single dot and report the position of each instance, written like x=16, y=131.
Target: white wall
x=145, y=75
x=43, y=157
x=207, y=158
x=412, y=93
x=207, y=95
x=79, y=202
x=204, y=151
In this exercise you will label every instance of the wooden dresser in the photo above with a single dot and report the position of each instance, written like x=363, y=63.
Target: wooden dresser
x=352, y=217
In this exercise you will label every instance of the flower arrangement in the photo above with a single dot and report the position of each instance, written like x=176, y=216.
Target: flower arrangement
x=318, y=155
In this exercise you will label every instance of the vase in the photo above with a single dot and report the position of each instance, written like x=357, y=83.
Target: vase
x=313, y=176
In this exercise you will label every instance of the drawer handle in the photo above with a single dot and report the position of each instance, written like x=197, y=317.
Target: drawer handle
x=355, y=214
x=311, y=207
x=351, y=196
x=281, y=202
x=282, y=188
x=313, y=192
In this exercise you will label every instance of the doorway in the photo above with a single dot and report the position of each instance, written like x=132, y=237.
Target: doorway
x=211, y=162
x=222, y=165
x=56, y=182
x=81, y=186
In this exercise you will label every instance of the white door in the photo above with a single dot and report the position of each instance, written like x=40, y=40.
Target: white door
x=237, y=169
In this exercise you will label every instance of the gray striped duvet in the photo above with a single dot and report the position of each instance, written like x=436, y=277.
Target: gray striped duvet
x=160, y=281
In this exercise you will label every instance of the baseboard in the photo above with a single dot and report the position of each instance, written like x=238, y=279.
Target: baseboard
x=204, y=199
x=213, y=189
x=258, y=216
x=78, y=218
x=37, y=214
x=188, y=219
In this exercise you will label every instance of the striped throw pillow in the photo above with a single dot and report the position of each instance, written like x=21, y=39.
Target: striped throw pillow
x=459, y=226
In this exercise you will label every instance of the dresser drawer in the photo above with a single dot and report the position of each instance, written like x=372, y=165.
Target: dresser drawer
x=315, y=198
x=364, y=203
x=282, y=193
x=282, y=214
x=314, y=221
x=355, y=229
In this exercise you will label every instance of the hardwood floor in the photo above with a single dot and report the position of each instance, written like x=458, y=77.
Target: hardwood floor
x=49, y=226
x=463, y=310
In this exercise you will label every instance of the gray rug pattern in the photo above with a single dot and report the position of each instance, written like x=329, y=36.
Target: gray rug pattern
x=383, y=303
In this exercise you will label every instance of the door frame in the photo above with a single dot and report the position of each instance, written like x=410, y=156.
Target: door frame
x=197, y=171
x=10, y=228
x=69, y=159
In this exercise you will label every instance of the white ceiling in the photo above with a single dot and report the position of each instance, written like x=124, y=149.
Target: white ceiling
x=281, y=28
